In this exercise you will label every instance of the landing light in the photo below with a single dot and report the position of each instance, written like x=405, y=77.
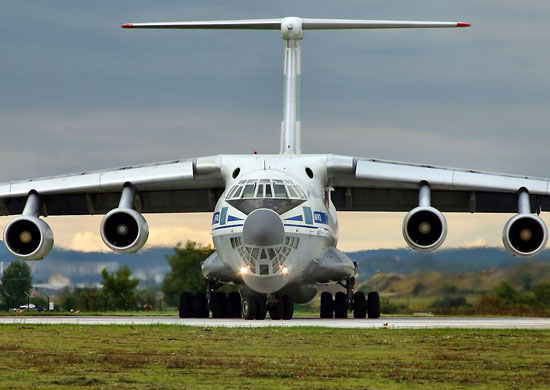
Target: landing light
x=244, y=270
x=284, y=270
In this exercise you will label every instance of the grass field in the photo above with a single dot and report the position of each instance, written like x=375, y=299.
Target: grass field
x=176, y=357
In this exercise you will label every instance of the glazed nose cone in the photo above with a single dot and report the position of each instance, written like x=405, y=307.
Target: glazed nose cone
x=263, y=227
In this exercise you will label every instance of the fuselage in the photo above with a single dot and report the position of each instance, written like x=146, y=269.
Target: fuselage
x=274, y=219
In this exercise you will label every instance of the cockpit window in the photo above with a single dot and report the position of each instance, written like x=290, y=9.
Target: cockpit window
x=280, y=191
x=231, y=193
x=292, y=192
x=249, y=191
x=265, y=188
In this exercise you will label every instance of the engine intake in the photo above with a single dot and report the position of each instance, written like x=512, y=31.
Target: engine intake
x=124, y=230
x=28, y=237
x=424, y=228
x=525, y=235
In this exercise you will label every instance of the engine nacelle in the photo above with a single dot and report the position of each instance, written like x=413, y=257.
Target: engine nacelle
x=424, y=228
x=525, y=235
x=28, y=238
x=124, y=230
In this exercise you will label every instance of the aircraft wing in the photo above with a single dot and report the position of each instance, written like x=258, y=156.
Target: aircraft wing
x=192, y=185
x=362, y=184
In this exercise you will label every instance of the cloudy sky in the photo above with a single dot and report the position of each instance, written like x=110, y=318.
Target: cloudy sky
x=78, y=93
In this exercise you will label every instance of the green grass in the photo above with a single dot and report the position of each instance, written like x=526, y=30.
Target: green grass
x=178, y=357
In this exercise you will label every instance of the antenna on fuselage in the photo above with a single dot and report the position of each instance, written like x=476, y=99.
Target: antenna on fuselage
x=292, y=29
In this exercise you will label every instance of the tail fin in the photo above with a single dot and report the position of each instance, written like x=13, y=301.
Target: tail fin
x=292, y=30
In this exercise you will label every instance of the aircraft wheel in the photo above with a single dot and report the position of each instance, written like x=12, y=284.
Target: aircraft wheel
x=327, y=305
x=186, y=305
x=217, y=304
x=359, y=305
x=288, y=307
x=234, y=305
x=340, y=305
x=200, y=307
x=248, y=308
x=373, y=305
x=261, y=308
x=276, y=310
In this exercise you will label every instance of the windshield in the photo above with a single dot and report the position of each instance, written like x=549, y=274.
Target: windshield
x=265, y=188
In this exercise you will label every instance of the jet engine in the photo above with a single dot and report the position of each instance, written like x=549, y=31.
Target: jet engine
x=28, y=237
x=124, y=230
x=424, y=228
x=525, y=235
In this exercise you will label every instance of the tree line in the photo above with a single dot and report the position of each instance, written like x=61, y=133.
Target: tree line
x=119, y=289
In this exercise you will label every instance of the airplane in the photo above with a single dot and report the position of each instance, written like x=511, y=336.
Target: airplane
x=274, y=216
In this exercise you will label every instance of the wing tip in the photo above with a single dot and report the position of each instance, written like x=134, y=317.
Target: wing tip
x=463, y=24
x=127, y=25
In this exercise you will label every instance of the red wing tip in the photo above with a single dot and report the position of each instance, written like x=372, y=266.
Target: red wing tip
x=461, y=24
x=127, y=25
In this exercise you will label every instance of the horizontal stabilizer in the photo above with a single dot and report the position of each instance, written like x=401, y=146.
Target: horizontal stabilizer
x=307, y=24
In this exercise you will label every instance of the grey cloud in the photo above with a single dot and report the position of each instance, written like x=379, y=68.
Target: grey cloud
x=79, y=93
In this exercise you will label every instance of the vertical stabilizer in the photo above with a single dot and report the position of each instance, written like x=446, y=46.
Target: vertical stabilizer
x=291, y=29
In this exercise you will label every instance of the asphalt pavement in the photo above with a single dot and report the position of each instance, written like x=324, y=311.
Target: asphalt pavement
x=384, y=322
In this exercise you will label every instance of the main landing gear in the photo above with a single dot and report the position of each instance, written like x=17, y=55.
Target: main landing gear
x=348, y=301
x=222, y=305
x=199, y=305
x=230, y=305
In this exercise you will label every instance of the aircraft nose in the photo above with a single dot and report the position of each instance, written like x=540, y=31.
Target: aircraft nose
x=263, y=227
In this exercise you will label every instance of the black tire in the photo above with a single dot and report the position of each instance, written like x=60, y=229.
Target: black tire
x=276, y=310
x=248, y=308
x=234, y=305
x=327, y=305
x=200, y=306
x=340, y=305
x=186, y=305
x=218, y=302
x=288, y=307
x=359, y=305
x=261, y=308
x=373, y=305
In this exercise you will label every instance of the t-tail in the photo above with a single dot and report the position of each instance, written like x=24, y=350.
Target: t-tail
x=292, y=30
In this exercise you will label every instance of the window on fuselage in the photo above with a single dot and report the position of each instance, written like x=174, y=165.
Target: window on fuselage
x=231, y=193
x=249, y=191
x=279, y=190
x=260, y=193
x=292, y=192
x=266, y=188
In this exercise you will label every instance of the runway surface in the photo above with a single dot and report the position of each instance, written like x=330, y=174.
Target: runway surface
x=387, y=322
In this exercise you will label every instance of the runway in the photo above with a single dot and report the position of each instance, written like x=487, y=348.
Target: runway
x=384, y=322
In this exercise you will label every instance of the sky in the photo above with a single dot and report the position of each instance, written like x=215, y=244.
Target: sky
x=77, y=93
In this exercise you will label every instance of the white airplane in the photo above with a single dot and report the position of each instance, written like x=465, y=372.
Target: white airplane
x=274, y=224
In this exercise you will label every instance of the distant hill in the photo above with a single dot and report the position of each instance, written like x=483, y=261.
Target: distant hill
x=448, y=261
x=432, y=283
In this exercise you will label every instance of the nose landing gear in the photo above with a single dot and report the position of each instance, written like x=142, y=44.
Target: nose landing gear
x=257, y=306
